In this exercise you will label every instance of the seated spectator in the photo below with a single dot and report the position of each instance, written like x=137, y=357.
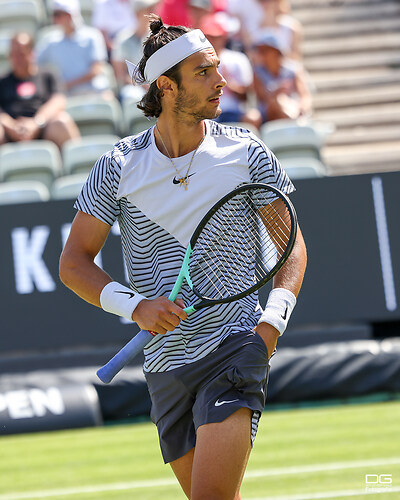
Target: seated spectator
x=32, y=105
x=78, y=52
x=236, y=68
x=111, y=17
x=280, y=84
x=128, y=45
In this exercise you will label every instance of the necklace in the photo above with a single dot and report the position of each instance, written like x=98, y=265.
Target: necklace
x=183, y=180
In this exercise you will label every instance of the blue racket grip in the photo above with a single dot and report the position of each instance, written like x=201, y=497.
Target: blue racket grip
x=135, y=346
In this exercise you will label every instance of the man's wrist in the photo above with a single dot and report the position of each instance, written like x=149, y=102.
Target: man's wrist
x=119, y=299
x=278, y=309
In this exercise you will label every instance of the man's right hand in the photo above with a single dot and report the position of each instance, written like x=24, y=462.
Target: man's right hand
x=159, y=315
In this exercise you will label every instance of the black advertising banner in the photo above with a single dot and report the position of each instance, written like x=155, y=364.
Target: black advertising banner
x=350, y=225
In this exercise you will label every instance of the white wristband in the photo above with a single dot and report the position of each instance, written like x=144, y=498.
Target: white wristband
x=278, y=309
x=119, y=299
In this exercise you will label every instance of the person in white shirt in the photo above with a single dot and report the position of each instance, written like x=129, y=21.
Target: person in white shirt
x=207, y=377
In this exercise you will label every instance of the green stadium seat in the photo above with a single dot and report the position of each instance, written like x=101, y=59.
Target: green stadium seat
x=79, y=155
x=22, y=15
x=303, y=168
x=23, y=192
x=293, y=140
x=135, y=121
x=38, y=160
x=95, y=115
x=67, y=187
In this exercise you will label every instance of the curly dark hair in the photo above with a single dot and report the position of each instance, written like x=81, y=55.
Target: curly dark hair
x=160, y=35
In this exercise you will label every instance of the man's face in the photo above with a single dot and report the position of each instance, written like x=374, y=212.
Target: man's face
x=21, y=54
x=61, y=18
x=199, y=94
x=270, y=57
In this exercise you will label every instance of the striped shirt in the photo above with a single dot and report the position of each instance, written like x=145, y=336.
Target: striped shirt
x=138, y=186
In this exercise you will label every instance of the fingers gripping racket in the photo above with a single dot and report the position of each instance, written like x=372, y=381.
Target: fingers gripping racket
x=238, y=246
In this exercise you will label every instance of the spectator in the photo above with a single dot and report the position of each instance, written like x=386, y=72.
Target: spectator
x=128, y=45
x=31, y=103
x=280, y=84
x=111, y=17
x=78, y=52
x=236, y=68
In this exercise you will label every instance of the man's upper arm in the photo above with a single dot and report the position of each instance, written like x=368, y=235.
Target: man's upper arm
x=87, y=235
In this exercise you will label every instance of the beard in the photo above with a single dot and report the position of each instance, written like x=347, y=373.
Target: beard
x=190, y=105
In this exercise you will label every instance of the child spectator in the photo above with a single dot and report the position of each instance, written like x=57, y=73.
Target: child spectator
x=280, y=84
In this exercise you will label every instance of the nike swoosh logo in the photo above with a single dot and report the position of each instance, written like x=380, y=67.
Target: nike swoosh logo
x=284, y=315
x=131, y=294
x=219, y=403
x=202, y=38
x=177, y=181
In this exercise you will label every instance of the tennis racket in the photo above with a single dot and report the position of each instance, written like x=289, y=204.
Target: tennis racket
x=238, y=246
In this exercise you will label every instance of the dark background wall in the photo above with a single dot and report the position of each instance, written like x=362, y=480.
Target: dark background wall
x=353, y=275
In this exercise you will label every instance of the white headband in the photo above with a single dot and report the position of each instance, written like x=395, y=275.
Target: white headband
x=172, y=53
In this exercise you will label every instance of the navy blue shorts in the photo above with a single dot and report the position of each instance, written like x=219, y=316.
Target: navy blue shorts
x=234, y=376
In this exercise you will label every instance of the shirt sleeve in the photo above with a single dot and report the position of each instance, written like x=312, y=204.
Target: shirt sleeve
x=98, y=196
x=265, y=167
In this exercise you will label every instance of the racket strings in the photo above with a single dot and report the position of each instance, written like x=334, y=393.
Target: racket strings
x=240, y=244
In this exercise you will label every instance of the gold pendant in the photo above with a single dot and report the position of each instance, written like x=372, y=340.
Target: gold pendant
x=184, y=182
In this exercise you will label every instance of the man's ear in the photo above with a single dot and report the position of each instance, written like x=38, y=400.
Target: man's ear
x=165, y=85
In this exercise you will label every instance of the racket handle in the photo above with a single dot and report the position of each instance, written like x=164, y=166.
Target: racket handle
x=135, y=346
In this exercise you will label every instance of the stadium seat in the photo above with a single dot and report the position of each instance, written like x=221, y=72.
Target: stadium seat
x=23, y=192
x=22, y=15
x=79, y=155
x=135, y=121
x=67, y=187
x=95, y=115
x=87, y=10
x=293, y=140
x=303, y=168
x=38, y=160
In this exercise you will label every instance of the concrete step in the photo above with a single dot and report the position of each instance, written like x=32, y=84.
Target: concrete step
x=326, y=81
x=357, y=97
x=350, y=28
x=380, y=157
x=364, y=135
x=334, y=63
x=361, y=43
x=374, y=115
x=324, y=13
x=309, y=4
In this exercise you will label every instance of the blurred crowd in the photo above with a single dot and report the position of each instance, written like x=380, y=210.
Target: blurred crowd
x=258, y=43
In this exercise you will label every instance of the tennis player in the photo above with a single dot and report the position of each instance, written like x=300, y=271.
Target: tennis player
x=207, y=377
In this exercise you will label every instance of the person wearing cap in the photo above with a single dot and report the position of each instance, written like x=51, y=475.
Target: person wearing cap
x=78, y=52
x=32, y=103
x=237, y=71
x=206, y=378
x=281, y=87
x=128, y=44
